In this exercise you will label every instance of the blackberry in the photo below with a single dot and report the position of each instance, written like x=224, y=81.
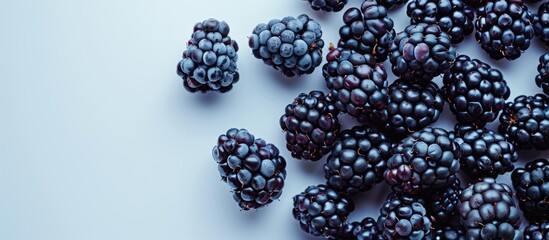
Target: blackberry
x=449, y=233
x=425, y=160
x=542, y=79
x=526, y=122
x=541, y=23
x=476, y=92
x=369, y=31
x=485, y=153
x=311, y=126
x=209, y=62
x=357, y=161
x=327, y=5
x=487, y=211
x=421, y=52
x=452, y=16
x=442, y=204
x=410, y=107
x=252, y=168
x=367, y=230
x=322, y=211
x=357, y=83
x=532, y=187
x=537, y=231
x=389, y=4
x=291, y=45
x=504, y=28
x=403, y=218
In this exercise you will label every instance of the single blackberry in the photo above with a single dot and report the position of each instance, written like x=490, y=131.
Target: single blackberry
x=476, y=92
x=538, y=231
x=532, y=187
x=504, y=28
x=541, y=23
x=421, y=52
x=425, y=160
x=526, y=122
x=442, y=204
x=487, y=211
x=322, y=211
x=485, y=153
x=449, y=233
x=291, y=45
x=369, y=31
x=252, y=168
x=311, y=126
x=410, y=108
x=327, y=5
x=542, y=79
x=358, y=160
x=367, y=230
x=389, y=4
x=209, y=62
x=452, y=16
x=403, y=218
x=357, y=83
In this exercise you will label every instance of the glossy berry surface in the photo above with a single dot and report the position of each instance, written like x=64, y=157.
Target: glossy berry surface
x=449, y=233
x=403, y=217
x=327, y=5
x=542, y=79
x=541, y=23
x=442, y=204
x=532, y=189
x=537, y=231
x=367, y=230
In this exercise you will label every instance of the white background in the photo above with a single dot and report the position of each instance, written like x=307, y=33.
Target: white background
x=99, y=140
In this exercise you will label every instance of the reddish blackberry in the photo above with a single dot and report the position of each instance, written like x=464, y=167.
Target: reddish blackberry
x=322, y=211
x=403, y=218
x=504, y=28
x=542, y=79
x=526, y=122
x=425, y=160
x=367, y=230
x=442, y=204
x=327, y=5
x=541, y=23
x=487, y=211
x=209, y=62
x=532, y=187
x=449, y=233
x=485, y=153
x=357, y=83
x=537, y=231
x=291, y=45
x=311, y=126
x=252, y=168
x=410, y=107
x=452, y=16
x=357, y=161
x=476, y=92
x=421, y=52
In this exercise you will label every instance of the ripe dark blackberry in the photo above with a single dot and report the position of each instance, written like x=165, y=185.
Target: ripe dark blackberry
x=322, y=211
x=452, y=16
x=421, y=52
x=209, y=62
x=425, y=160
x=476, y=92
x=369, y=31
x=541, y=23
x=442, y=204
x=532, y=187
x=389, y=4
x=327, y=5
x=357, y=83
x=311, y=126
x=504, y=28
x=291, y=45
x=487, y=211
x=410, y=108
x=537, y=231
x=542, y=79
x=403, y=218
x=367, y=230
x=358, y=160
x=526, y=122
x=485, y=153
x=252, y=168
x=449, y=233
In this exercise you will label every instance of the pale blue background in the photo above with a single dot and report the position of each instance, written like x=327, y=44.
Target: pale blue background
x=99, y=140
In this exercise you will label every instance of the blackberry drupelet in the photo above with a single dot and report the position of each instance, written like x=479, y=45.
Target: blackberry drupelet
x=403, y=217
x=537, y=231
x=541, y=23
x=485, y=153
x=291, y=45
x=504, y=28
x=526, y=122
x=487, y=211
x=425, y=160
x=357, y=161
x=251, y=167
x=327, y=5
x=311, y=126
x=410, y=108
x=449, y=233
x=421, y=52
x=357, y=83
x=209, y=62
x=389, y=4
x=452, y=16
x=442, y=204
x=322, y=211
x=532, y=188
x=367, y=230
x=542, y=79
x=476, y=92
